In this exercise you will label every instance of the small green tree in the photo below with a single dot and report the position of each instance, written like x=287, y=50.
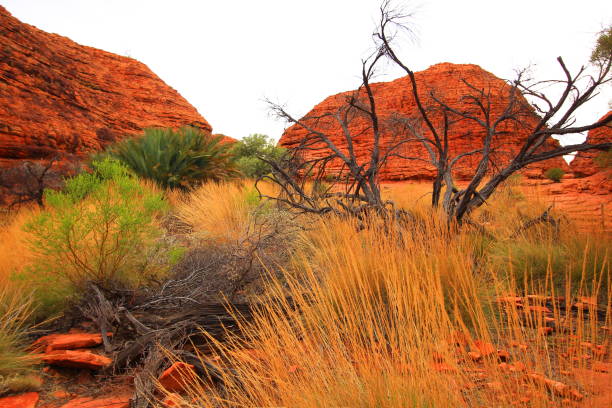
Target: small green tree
x=180, y=159
x=101, y=228
x=555, y=174
x=603, y=47
x=250, y=150
x=604, y=159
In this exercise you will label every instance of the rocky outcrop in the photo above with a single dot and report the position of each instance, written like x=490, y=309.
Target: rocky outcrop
x=588, y=163
x=395, y=98
x=68, y=341
x=27, y=400
x=57, y=96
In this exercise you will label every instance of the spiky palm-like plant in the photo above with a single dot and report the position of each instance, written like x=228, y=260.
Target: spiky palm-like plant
x=178, y=159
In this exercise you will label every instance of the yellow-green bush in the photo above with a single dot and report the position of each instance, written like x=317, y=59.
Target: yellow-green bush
x=103, y=229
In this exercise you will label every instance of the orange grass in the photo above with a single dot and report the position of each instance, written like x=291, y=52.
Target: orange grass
x=220, y=211
x=14, y=250
x=382, y=318
x=373, y=322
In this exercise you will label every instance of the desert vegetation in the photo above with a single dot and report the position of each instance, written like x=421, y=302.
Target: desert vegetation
x=311, y=310
x=213, y=274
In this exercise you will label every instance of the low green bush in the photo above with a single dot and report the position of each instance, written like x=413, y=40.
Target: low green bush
x=555, y=174
x=181, y=159
x=604, y=159
x=551, y=262
x=248, y=152
x=101, y=228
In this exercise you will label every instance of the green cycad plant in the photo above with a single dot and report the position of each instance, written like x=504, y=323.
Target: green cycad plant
x=180, y=159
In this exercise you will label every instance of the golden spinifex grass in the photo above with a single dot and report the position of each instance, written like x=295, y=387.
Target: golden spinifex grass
x=217, y=210
x=15, y=304
x=220, y=211
x=15, y=362
x=14, y=251
x=382, y=318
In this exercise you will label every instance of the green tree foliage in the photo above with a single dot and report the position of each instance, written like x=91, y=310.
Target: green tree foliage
x=248, y=152
x=555, y=174
x=603, y=47
x=101, y=228
x=180, y=159
x=604, y=159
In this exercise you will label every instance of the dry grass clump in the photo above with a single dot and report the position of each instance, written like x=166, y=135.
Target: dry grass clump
x=14, y=251
x=233, y=238
x=219, y=211
x=380, y=317
x=15, y=304
x=15, y=362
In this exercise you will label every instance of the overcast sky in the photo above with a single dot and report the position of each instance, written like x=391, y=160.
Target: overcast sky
x=226, y=56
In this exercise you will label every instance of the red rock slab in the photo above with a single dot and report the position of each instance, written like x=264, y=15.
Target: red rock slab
x=484, y=348
x=27, y=400
x=177, y=377
x=76, y=359
x=69, y=341
x=110, y=402
x=556, y=387
x=538, y=309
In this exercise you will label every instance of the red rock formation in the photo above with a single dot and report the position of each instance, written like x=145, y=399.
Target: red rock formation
x=27, y=400
x=395, y=97
x=225, y=139
x=176, y=378
x=59, y=96
x=68, y=341
x=108, y=402
x=76, y=359
x=584, y=164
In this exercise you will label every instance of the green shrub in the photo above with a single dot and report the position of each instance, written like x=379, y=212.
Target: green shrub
x=544, y=261
x=102, y=228
x=555, y=174
x=604, y=159
x=181, y=159
x=603, y=46
x=248, y=152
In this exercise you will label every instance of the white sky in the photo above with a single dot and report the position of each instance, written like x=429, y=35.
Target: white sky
x=225, y=56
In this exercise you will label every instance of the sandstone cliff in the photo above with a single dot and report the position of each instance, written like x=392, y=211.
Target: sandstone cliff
x=59, y=96
x=446, y=80
x=586, y=163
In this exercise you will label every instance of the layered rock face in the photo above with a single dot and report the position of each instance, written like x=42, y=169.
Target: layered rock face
x=395, y=98
x=57, y=96
x=589, y=163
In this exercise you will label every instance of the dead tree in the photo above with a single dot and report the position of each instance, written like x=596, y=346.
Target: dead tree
x=556, y=119
x=354, y=186
x=320, y=175
x=28, y=181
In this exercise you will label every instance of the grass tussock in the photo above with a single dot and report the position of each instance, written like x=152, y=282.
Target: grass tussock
x=15, y=363
x=367, y=316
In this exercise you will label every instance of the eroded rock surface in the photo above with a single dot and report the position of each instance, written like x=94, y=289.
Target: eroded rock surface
x=57, y=96
x=447, y=82
x=586, y=164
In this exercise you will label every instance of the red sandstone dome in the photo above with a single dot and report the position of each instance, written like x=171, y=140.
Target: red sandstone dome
x=585, y=163
x=59, y=96
x=447, y=82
